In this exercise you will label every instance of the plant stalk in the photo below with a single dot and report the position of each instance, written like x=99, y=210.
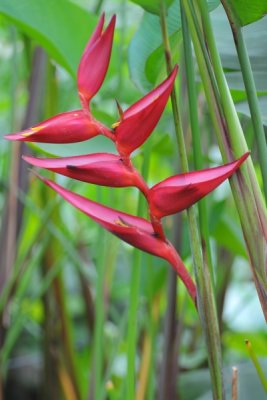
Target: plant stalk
x=232, y=144
x=205, y=297
x=257, y=365
x=134, y=290
x=251, y=93
x=197, y=153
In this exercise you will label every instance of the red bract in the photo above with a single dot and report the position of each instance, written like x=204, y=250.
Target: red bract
x=101, y=168
x=77, y=126
x=181, y=191
x=95, y=60
x=140, y=119
x=69, y=127
x=134, y=230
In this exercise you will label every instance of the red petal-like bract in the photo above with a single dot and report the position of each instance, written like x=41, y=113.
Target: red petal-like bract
x=68, y=127
x=141, y=118
x=100, y=168
x=95, y=60
x=181, y=191
x=134, y=230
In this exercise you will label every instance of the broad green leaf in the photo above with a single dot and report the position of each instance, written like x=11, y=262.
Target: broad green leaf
x=243, y=108
x=155, y=68
x=235, y=81
x=148, y=39
x=255, y=36
x=194, y=385
x=152, y=6
x=228, y=235
x=245, y=12
x=235, y=341
x=256, y=41
x=60, y=27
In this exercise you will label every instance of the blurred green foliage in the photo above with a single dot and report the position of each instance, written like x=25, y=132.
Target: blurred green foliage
x=56, y=241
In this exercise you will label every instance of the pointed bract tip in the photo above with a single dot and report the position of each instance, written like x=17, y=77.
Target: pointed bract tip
x=244, y=157
x=175, y=70
x=30, y=160
x=111, y=26
x=14, y=136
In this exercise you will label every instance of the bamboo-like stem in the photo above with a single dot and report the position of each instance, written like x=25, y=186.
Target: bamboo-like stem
x=205, y=297
x=232, y=144
x=251, y=93
x=198, y=159
x=249, y=186
x=134, y=289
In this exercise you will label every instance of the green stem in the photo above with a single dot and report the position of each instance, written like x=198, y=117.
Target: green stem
x=100, y=316
x=205, y=297
x=198, y=159
x=244, y=183
x=255, y=210
x=134, y=290
x=256, y=365
x=251, y=94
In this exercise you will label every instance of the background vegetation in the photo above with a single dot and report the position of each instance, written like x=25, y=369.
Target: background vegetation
x=65, y=283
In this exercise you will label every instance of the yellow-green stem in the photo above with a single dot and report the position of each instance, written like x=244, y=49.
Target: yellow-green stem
x=244, y=184
x=198, y=159
x=257, y=365
x=251, y=93
x=205, y=297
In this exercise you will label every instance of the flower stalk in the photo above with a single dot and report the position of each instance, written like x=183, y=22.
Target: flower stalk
x=251, y=93
x=196, y=141
x=205, y=296
x=245, y=187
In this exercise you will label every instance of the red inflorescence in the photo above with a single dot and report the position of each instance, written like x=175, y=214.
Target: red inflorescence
x=170, y=196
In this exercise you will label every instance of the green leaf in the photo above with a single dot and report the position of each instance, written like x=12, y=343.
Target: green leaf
x=256, y=41
x=243, y=108
x=60, y=27
x=245, y=12
x=152, y=6
x=148, y=39
x=155, y=67
x=194, y=385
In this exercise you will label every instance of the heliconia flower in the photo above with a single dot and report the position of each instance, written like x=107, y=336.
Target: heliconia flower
x=139, y=120
x=95, y=60
x=68, y=127
x=99, y=168
x=181, y=191
x=134, y=230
